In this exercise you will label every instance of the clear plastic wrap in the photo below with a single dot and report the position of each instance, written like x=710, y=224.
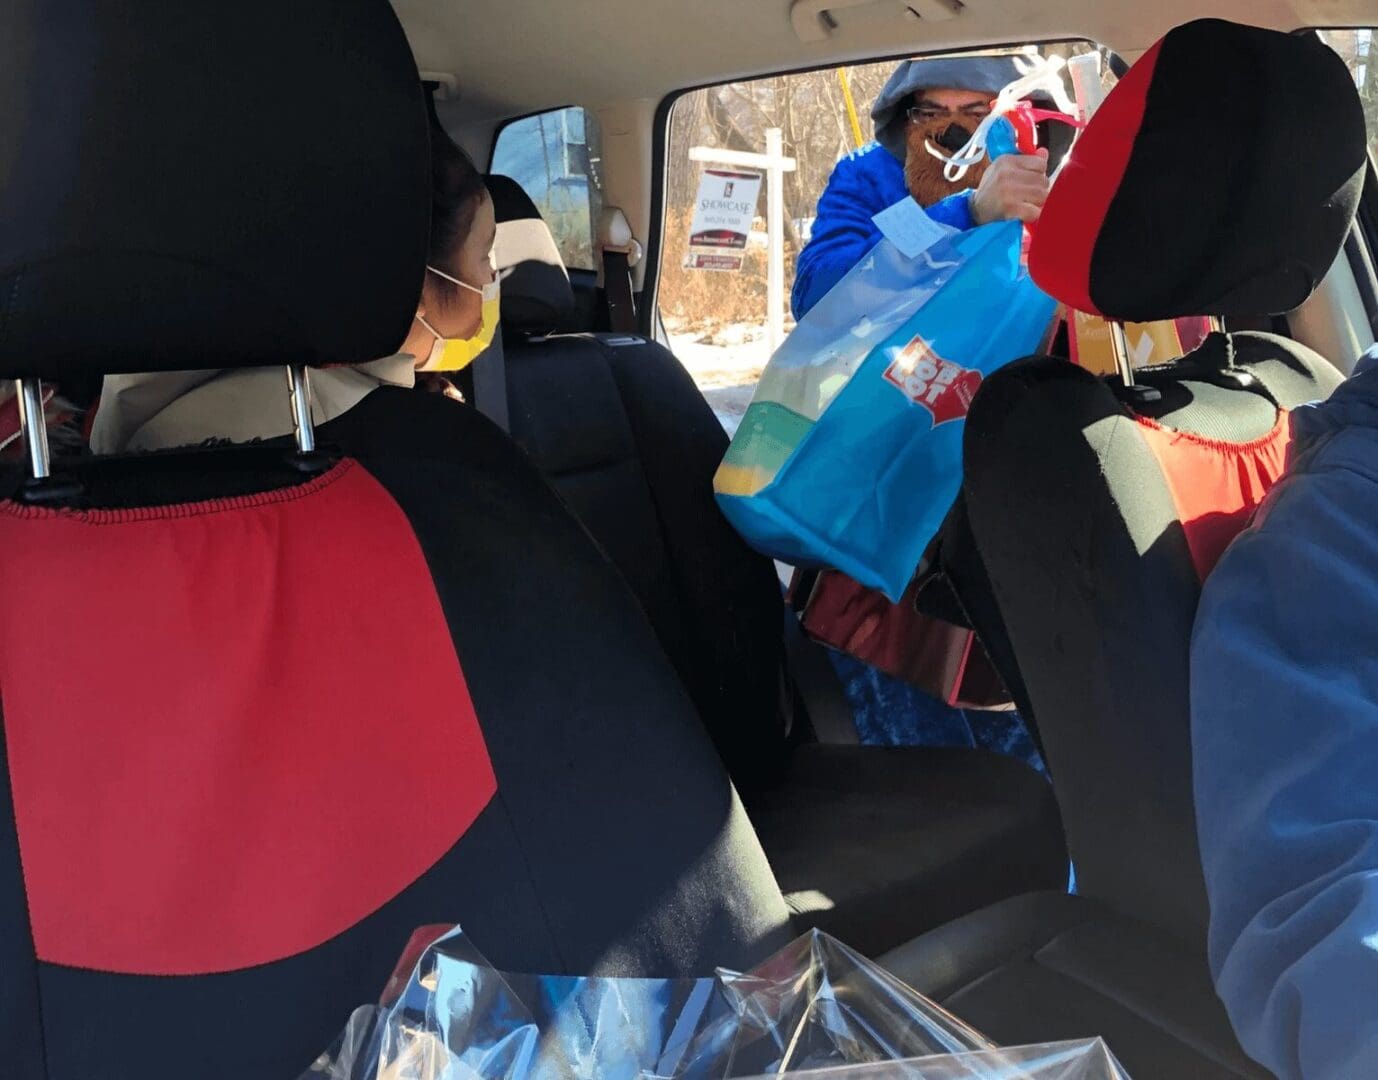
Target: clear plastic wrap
x=816, y=1008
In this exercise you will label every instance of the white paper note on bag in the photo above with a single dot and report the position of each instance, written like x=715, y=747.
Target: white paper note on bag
x=910, y=229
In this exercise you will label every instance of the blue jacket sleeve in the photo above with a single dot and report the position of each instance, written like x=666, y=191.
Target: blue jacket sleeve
x=955, y=211
x=861, y=186
x=1285, y=752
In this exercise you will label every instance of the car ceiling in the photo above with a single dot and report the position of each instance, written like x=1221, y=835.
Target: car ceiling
x=512, y=57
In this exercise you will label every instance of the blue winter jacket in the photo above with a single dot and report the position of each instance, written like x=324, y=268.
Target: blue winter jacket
x=863, y=184
x=1285, y=731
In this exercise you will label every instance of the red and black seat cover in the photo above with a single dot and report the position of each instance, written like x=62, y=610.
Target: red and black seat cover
x=1220, y=177
x=259, y=726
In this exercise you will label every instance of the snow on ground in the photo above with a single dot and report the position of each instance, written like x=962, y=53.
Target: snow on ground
x=726, y=364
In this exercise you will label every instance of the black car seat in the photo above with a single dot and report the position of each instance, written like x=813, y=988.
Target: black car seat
x=266, y=710
x=1097, y=511
x=871, y=844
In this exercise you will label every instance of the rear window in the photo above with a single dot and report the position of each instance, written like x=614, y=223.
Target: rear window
x=555, y=156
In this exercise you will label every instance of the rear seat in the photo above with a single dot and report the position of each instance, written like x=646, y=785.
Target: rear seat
x=872, y=844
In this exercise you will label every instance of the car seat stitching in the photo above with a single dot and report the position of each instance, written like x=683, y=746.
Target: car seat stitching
x=531, y=878
x=1185, y=1038
x=972, y=984
x=597, y=466
x=1028, y=953
x=178, y=511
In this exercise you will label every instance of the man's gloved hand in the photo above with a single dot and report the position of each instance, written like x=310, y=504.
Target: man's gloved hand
x=1015, y=186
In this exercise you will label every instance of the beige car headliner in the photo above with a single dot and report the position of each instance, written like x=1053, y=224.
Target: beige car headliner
x=511, y=57
x=621, y=58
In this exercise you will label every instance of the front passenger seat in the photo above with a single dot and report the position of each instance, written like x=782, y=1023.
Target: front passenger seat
x=1097, y=511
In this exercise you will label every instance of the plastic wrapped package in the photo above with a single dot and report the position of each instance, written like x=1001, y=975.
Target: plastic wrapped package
x=849, y=455
x=815, y=1009
x=1082, y=1059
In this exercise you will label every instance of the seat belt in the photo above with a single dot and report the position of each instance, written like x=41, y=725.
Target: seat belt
x=490, y=383
x=817, y=685
x=617, y=287
x=620, y=251
x=815, y=680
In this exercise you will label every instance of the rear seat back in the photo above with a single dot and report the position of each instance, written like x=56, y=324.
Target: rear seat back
x=873, y=844
x=619, y=428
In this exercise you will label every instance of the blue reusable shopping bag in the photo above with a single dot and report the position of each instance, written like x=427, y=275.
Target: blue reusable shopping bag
x=850, y=454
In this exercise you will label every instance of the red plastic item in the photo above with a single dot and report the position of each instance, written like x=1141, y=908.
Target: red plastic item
x=1025, y=117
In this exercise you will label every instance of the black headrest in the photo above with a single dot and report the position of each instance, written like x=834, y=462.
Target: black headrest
x=188, y=185
x=536, y=295
x=1218, y=178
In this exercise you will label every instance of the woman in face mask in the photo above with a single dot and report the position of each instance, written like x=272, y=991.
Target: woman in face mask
x=456, y=318
x=458, y=312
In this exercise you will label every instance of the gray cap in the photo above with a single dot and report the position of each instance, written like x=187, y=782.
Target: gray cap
x=984, y=74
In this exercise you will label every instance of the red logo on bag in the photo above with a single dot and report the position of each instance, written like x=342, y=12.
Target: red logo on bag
x=943, y=388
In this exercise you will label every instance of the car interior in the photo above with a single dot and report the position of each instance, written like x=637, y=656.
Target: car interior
x=269, y=708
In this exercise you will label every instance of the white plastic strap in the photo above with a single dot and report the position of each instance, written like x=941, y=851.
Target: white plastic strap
x=1045, y=75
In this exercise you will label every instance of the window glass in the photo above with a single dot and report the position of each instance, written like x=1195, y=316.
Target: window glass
x=714, y=302
x=555, y=156
x=1356, y=48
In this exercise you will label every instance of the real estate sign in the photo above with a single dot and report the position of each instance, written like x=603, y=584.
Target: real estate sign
x=722, y=219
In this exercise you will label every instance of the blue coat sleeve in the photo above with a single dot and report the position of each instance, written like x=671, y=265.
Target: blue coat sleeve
x=861, y=186
x=1285, y=753
x=955, y=211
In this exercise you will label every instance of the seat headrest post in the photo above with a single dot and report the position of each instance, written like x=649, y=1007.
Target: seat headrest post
x=1130, y=391
x=305, y=457
x=29, y=393
x=40, y=486
x=299, y=386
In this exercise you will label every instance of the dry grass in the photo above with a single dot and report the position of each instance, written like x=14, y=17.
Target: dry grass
x=708, y=299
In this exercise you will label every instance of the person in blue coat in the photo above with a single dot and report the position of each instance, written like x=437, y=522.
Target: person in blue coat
x=1285, y=751
x=925, y=104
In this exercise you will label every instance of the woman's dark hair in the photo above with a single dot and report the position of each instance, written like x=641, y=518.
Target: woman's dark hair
x=456, y=188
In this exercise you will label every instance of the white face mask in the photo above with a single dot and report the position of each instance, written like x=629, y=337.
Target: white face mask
x=489, y=292
x=451, y=354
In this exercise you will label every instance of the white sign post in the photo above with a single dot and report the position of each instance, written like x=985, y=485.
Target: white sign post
x=774, y=162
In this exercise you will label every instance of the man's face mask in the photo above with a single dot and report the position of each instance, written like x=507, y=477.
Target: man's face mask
x=451, y=354
x=948, y=130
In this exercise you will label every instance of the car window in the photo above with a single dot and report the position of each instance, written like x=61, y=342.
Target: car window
x=1356, y=49
x=714, y=290
x=555, y=156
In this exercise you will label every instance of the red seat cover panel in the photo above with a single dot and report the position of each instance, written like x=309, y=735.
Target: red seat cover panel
x=234, y=729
